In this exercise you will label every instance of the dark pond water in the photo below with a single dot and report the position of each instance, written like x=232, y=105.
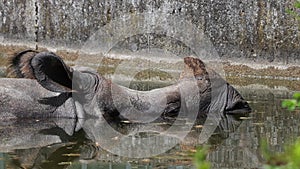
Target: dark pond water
x=235, y=144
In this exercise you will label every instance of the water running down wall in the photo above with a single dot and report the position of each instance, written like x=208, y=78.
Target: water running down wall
x=259, y=30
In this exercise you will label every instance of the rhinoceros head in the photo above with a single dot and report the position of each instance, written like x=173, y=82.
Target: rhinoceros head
x=215, y=93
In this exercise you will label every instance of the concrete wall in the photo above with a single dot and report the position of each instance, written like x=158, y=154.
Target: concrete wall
x=252, y=30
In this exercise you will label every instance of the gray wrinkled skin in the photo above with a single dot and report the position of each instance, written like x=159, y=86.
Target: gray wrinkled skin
x=57, y=91
x=20, y=98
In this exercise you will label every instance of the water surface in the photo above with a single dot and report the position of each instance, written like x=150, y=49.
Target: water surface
x=37, y=143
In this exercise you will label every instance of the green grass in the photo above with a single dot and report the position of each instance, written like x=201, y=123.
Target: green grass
x=290, y=159
x=294, y=13
x=200, y=158
x=292, y=104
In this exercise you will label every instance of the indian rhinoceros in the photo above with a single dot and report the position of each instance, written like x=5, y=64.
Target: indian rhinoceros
x=46, y=87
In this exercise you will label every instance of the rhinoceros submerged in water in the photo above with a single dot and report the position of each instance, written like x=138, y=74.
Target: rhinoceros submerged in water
x=46, y=87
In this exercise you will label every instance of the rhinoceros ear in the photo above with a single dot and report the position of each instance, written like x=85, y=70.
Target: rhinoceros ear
x=51, y=72
x=194, y=67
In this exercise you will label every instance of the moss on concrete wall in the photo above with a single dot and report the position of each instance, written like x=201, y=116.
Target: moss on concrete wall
x=248, y=30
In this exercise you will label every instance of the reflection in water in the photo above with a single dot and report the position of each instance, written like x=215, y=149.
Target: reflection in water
x=268, y=121
x=52, y=143
x=47, y=144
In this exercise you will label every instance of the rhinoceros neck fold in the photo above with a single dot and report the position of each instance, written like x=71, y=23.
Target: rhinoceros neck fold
x=85, y=82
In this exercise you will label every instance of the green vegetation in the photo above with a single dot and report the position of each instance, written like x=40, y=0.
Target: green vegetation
x=200, y=158
x=285, y=160
x=292, y=104
x=294, y=13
